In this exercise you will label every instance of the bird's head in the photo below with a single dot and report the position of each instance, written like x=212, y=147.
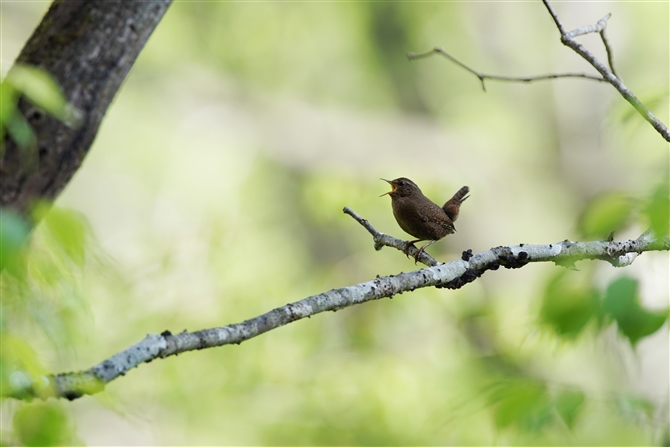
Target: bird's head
x=401, y=187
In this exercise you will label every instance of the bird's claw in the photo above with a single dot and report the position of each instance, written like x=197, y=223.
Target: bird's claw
x=407, y=247
x=417, y=254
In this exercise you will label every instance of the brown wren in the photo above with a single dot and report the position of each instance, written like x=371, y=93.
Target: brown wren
x=419, y=216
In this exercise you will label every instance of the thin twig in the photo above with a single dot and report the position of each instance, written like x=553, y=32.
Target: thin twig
x=568, y=40
x=597, y=28
x=557, y=21
x=382, y=240
x=452, y=275
x=600, y=27
x=610, y=53
x=483, y=76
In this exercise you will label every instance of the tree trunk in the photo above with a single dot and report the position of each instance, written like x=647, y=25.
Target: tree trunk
x=88, y=47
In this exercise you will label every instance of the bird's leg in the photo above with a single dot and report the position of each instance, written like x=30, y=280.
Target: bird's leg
x=409, y=244
x=421, y=250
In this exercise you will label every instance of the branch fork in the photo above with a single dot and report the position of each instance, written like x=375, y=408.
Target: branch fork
x=607, y=74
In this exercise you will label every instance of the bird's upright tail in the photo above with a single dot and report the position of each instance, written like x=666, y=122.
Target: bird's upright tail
x=453, y=205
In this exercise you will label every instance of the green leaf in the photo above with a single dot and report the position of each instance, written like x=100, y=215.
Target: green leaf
x=11, y=121
x=569, y=303
x=41, y=89
x=20, y=368
x=605, y=214
x=568, y=404
x=523, y=403
x=69, y=230
x=623, y=305
x=43, y=424
x=17, y=354
x=634, y=407
x=657, y=210
x=21, y=132
x=8, y=100
x=13, y=237
x=620, y=297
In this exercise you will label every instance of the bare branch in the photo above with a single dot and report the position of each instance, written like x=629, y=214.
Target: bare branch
x=600, y=27
x=610, y=53
x=568, y=40
x=554, y=16
x=483, y=76
x=597, y=28
x=452, y=275
x=382, y=240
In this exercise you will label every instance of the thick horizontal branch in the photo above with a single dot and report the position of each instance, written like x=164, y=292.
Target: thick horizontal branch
x=451, y=275
x=565, y=253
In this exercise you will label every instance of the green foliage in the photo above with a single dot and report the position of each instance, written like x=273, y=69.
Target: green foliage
x=218, y=186
x=622, y=304
x=68, y=230
x=568, y=405
x=634, y=407
x=657, y=210
x=12, y=121
x=522, y=403
x=605, y=214
x=42, y=313
x=13, y=237
x=611, y=212
x=41, y=90
x=44, y=424
x=527, y=405
x=569, y=303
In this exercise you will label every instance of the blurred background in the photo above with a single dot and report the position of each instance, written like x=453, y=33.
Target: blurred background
x=214, y=193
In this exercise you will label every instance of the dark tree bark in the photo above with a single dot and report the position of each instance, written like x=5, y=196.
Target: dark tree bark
x=88, y=47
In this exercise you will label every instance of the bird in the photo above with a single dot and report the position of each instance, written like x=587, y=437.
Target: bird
x=418, y=216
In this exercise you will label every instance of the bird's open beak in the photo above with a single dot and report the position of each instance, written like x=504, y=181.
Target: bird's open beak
x=393, y=185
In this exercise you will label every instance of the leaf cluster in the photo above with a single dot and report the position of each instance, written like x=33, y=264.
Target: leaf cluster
x=42, y=310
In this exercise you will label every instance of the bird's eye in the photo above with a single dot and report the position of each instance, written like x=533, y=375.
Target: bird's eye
x=402, y=183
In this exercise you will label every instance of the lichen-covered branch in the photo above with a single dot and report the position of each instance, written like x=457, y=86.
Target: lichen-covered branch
x=565, y=253
x=88, y=47
x=451, y=275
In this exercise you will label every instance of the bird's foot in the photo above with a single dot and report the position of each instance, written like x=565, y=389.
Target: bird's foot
x=417, y=254
x=407, y=247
